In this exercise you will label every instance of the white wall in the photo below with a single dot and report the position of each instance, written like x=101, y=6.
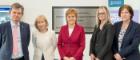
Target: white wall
x=135, y=4
x=34, y=8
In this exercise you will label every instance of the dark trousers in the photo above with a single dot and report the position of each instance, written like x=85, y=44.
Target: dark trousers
x=42, y=57
x=22, y=58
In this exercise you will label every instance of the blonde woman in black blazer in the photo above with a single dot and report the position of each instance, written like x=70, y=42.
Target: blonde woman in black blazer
x=102, y=38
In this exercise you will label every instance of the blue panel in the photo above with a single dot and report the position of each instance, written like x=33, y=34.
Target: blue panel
x=115, y=3
x=4, y=13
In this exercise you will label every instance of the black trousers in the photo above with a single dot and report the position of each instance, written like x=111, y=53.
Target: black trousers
x=42, y=57
x=22, y=58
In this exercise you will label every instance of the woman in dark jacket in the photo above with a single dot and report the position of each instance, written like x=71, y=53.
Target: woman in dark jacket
x=127, y=36
x=102, y=38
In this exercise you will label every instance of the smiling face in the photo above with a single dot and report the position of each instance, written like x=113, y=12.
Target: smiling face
x=41, y=23
x=71, y=19
x=102, y=14
x=16, y=14
x=71, y=16
x=125, y=15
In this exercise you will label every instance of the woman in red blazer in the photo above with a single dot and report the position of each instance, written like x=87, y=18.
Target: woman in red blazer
x=71, y=39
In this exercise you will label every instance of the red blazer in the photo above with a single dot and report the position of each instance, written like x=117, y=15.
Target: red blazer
x=71, y=46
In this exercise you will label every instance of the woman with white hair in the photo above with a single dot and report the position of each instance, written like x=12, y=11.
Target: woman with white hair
x=44, y=40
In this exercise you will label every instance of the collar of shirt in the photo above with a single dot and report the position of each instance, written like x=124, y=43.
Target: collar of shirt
x=13, y=24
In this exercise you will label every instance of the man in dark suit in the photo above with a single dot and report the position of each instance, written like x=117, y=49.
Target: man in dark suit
x=14, y=36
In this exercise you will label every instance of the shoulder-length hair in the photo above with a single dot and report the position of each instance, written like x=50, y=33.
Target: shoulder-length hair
x=107, y=15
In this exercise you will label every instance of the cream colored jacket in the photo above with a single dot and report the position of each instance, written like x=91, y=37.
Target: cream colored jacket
x=44, y=44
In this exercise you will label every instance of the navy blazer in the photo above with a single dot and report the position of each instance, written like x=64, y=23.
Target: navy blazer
x=129, y=48
x=6, y=40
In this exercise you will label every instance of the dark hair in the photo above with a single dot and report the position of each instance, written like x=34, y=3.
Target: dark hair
x=17, y=6
x=129, y=8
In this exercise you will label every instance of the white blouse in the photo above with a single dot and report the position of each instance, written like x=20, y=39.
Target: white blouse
x=70, y=31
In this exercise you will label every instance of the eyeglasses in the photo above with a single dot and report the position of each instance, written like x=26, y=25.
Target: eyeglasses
x=99, y=14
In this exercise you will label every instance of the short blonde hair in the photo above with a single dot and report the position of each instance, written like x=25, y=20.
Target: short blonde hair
x=107, y=13
x=72, y=11
x=40, y=17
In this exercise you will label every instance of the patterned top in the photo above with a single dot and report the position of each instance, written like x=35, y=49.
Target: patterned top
x=120, y=38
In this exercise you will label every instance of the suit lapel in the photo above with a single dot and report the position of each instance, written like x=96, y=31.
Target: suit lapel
x=118, y=28
x=127, y=31
x=128, y=28
x=9, y=32
x=74, y=31
x=67, y=31
x=21, y=32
